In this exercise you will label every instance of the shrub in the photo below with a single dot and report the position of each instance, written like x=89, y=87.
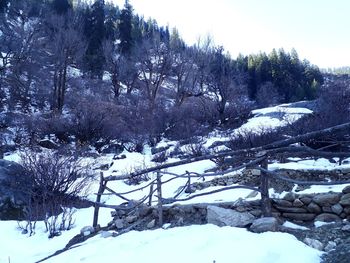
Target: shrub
x=57, y=182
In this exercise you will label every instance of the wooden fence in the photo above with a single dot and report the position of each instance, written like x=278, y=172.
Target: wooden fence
x=258, y=165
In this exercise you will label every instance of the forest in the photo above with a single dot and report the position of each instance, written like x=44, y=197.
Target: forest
x=94, y=72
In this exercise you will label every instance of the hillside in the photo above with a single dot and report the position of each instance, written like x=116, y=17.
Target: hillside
x=119, y=141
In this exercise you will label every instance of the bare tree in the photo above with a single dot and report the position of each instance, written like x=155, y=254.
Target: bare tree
x=65, y=47
x=154, y=66
x=186, y=76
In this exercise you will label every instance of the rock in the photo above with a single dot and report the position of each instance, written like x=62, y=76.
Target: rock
x=87, y=230
x=327, y=209
x=347, y=210
x=48, y=144
x=282, y=202
x=327, y=199
x=327, y=217
x=264, y=224
x=14, y=189
x=330, y=246
x=151, y=224
x=227, y=217
x=314, y=208
x=119, y=157
x=346, y=190
x=291, y=209
x=299, y=216
x=346, y=228
x=314, y=243
x=131, y=219
x=106, y=234
x=112, y=148
x=306, y=199
x=290, y=197
x=119, y=223
x=298, y=203
x=337, y=209
x=345, y=199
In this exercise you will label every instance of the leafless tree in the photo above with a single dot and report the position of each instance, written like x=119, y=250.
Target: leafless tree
x=186, y=76
x=66, y=45
x=154, y=66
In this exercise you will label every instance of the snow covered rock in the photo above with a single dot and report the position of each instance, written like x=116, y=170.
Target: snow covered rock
x=87, y=230
x=264, y=224
x=227, y=217
x=48, y=144
x=314, y=243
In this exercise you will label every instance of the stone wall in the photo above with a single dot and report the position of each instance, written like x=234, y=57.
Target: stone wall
x=327, y=207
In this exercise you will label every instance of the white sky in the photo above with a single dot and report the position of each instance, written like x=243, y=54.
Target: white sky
x=317, y=29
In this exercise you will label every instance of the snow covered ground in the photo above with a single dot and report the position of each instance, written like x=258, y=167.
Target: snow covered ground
x=205, y=243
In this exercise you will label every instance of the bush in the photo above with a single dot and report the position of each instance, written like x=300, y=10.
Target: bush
x=57, y=182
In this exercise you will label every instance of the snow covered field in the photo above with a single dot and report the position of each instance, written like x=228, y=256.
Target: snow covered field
x=195, y=244
x=204, y=243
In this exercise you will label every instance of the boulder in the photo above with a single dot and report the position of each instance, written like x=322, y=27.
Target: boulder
x=314, y=208
x=299, y=216
x=345, y=200
x=14, y=190
x=264, y=224
x=48, y=144
x=346, y=190
x=228, y=217
x=291, y=209
x=298, y=203
x=337, y=209
x=327, y=199
x=327, y=217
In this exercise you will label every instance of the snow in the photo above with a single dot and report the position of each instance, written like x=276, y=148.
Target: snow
x=205, y=243
x=197, y=243
x=294, y=226
x=313, y=164
x=283, y=108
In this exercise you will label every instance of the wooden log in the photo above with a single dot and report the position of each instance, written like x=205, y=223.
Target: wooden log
x=101, y=189
x=160, y=204
x=264, y=188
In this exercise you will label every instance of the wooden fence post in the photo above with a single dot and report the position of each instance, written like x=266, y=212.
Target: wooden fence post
x=150, y=194
x=160, y=205
x=188, y=188
x=98, y=199
x=264, y=188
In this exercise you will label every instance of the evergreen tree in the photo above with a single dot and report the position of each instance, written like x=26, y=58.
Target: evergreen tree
x=61, y=6
x=125, y=29
x=94, y=30
x=3, y=5
x=112, y=15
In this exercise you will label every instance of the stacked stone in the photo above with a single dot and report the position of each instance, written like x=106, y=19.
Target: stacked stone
x=328, y=207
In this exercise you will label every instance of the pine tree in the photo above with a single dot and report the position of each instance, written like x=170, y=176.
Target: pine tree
x=94, y=30
x=61, y=6
x=125, y=29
